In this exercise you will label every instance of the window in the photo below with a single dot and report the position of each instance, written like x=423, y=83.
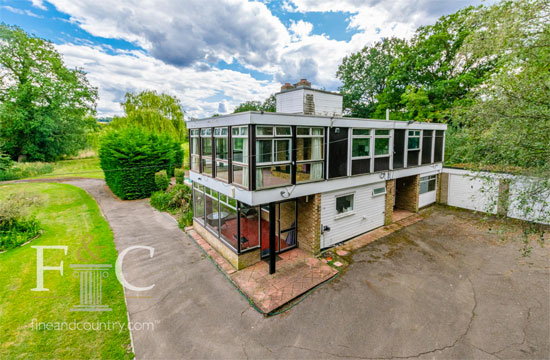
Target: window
x=228, y=220
x=414, y=140
x=222, y=164
x=273, y=156
x=194, y=147
x=381, y=142
x=344, y=204
x=212, y=210
x=427, y=183
x=206, y=144
x=360, y=147
x=239, y=148
x=309, y=154
x=379, y=191
x=198, y=202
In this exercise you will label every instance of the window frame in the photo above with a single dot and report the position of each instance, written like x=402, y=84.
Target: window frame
x=239, y=132
x=375, y=194
x=419, y=137
x=388, y=136
x=195, y=138
x=362, y=136
x=427, y=179
x=219, y=133
x=311, y=135
x=274, y=139
x=348, y=212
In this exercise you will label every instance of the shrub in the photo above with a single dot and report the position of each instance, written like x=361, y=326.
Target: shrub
x=177, y=201
x=131, y=156
x=179, y=173
x=16, y=226
x=25, y=170
x=5, y=162
x=161, y=180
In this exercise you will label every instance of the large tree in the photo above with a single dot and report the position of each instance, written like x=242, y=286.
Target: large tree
x=44, y=106
x=364, y=75
x=158, y=113
x=269, y=105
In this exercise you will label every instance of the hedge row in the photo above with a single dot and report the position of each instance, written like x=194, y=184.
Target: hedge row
x=130, y=157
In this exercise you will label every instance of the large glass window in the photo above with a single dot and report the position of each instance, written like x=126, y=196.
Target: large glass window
x=382, y=150
x=309, y=154
x=206, y=146
x=194, y=147
x=212, y=210
x=273, y=156
x=228, y=220
x=414, y=140
x=198, y=202
x=360, y=151
x=427, y=183
x=239, y=148
x=222, y=163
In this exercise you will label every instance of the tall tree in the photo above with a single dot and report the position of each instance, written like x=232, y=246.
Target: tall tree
x=43, y=104
x=364, y=75
x=269, y=105
x=158, y=113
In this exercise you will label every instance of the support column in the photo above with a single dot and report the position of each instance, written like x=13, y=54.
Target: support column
x=272, y=239
x=442, y=188
x=390, y=197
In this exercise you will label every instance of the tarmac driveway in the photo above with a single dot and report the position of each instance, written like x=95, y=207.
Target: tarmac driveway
x=441, y=288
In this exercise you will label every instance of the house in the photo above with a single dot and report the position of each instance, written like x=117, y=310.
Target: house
x=305, y=176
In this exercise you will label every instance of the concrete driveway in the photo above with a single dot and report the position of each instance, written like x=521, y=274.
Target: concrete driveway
x=441, y=288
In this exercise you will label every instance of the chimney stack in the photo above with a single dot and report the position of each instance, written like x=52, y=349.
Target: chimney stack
x=303, y=83
x=286, y=87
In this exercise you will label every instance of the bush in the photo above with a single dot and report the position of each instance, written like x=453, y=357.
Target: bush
x=131, y=156
x=16, y=226
x=5, y=162
x=25, y=170
x=161, y=180
x=180, y=175
x=177, y=201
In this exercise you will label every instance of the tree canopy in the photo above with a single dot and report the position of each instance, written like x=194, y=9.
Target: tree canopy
x=158, y=113
x=44, y=106
x=269, y=105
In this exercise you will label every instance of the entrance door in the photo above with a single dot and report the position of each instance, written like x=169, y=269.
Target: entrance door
x=286, y=234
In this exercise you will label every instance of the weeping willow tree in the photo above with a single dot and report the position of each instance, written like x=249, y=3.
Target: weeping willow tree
x=158, y=113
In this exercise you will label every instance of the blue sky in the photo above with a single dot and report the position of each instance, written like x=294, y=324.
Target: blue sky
x=214, y=54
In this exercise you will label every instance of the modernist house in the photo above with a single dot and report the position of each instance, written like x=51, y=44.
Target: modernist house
x=305, y=176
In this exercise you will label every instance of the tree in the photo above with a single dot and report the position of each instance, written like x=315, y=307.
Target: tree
x=269, y=105
x=364, y=75
x=43, y=104
x=505, y=126
x=158, y=113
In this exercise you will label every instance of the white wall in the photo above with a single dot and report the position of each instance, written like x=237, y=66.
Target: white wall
x=326, y=104
x=290, y=102
x=540, y=203
x=470, y=192
x=426, y=198
x=367, y=214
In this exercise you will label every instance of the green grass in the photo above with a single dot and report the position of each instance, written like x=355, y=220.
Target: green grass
x=83, y=168
x=69, y=216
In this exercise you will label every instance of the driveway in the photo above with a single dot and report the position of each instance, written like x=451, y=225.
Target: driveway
x=441, y=288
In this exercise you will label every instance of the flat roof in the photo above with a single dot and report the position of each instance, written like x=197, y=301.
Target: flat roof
x=308, y=88
x=273, y=118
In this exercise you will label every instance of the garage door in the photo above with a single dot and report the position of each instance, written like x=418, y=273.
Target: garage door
x=351, y=212
x=471, y=193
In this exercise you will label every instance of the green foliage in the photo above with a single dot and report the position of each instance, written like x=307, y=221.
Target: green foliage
x=26, y=170
x=161, y=180
x=131, y=156
x=177, y=201
x=43, y=104
x=180, y=176
x=158, y=113
x=269, y=105
x=5, y=162
x=16, y=225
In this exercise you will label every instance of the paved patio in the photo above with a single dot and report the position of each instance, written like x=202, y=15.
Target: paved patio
x=297, y=273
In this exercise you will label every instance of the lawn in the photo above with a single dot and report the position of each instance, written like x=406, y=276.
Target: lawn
x=84, y=168
x=70, y=217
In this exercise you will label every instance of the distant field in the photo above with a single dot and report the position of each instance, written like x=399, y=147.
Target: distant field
x=85, y=168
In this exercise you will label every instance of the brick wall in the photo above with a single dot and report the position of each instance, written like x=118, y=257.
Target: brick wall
x=407, y=192
x=443, y=188
x=390, y=196
x=309, y=223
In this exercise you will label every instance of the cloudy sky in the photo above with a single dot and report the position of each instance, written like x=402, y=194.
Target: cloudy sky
x=214, y=54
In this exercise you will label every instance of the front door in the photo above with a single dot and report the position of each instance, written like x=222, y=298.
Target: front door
x=285, y=227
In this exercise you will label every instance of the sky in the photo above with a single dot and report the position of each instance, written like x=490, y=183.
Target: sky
x=215, y=54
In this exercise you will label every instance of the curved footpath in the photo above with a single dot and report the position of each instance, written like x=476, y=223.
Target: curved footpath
x=441, y=288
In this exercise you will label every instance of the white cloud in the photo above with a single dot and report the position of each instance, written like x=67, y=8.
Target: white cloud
x=300, y=29
x=39, y=4
x=115, y=74
x=20, y=11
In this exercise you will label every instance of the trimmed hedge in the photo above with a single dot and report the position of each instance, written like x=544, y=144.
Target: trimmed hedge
x=179, y=174
x=131, y=156
x=162, y=181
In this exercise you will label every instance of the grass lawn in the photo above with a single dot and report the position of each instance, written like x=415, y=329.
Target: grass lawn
x=84, y=168
x=69, y=216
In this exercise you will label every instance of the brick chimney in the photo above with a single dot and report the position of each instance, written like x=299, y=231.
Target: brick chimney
x=303, y=83
x=286, y=87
